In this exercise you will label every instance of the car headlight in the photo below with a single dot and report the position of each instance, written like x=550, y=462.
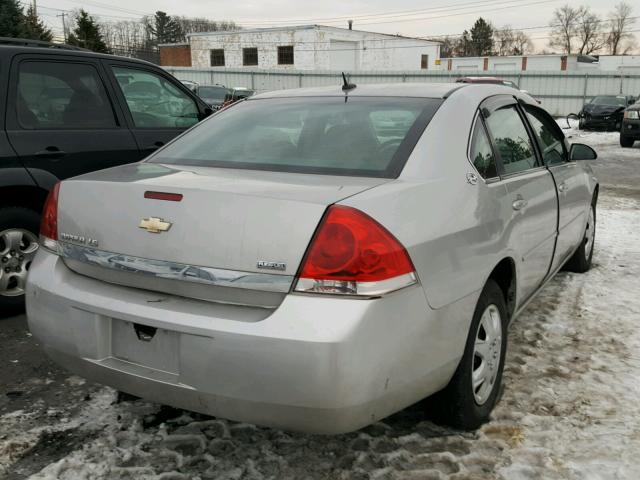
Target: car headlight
x=632, y=114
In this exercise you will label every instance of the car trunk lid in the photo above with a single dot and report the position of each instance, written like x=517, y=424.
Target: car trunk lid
x=235, y=236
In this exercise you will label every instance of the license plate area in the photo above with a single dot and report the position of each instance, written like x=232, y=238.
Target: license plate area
x=157, y=349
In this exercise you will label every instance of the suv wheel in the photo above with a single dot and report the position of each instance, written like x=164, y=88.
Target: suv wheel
x=475, y=387
x=18, y=245
x=626, y=142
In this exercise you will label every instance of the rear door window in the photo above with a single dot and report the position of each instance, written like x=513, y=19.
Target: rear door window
x=511, y=140
x=362, y=136
x=60, y=95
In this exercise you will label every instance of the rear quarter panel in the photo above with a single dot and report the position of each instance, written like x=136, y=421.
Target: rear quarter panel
x=455, y=232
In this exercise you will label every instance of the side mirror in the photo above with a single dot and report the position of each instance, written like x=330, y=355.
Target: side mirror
x=580, y=151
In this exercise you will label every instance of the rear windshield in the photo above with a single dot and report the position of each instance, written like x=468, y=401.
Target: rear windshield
x=213, y=92
x=618, y=101
x=360, y=136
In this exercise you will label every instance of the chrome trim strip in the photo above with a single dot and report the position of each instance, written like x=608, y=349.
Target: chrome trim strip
x=265, y=282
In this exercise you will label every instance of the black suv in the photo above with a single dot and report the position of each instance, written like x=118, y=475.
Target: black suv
x=66, y=111
x=630, y=131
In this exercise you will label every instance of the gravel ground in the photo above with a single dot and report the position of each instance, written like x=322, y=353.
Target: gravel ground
x=569, y=408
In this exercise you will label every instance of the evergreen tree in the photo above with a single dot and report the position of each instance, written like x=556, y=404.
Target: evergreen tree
x=35, y=29
x=87, y=34
x=11, y=19
x=166, y=29
x=481, y=38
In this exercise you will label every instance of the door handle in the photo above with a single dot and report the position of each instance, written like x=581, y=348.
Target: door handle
x=50, y=152
x=562, y=187
x=519, y=204
x=155, y=146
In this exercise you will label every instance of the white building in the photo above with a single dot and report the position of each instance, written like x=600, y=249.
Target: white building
x=311, y=47
x=539, y=63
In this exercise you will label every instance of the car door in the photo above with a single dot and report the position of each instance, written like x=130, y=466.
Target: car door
x=159, y=107
x=573, y=188
x=61, y=117
x=531, y=193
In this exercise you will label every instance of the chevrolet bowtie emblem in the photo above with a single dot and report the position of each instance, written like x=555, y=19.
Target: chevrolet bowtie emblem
x=155, y=225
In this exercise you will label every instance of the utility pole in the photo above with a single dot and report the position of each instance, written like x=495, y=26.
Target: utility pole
x=64, y=25
x=35, y=8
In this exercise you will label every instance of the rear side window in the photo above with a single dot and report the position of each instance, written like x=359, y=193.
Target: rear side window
x=153, y=101
x=363, y=136
x=511, y=139
x=480, y=152
x=551, y=141
x=56, y=95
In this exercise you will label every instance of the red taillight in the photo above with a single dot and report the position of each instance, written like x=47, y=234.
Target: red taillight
x=49, y=222
x=352, y=253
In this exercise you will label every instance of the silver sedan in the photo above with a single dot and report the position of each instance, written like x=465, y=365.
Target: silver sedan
x=317, y=259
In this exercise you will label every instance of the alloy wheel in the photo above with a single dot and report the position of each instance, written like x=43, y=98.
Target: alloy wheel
x=487, y=352
x=17, y=250
x=589, y=234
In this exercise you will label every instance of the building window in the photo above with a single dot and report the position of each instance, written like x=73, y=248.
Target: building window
x=249, y=56
x=285, y=55
x=217, y=57
x=424, y=62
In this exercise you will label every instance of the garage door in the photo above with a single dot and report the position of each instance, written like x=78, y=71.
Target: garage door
x=343, y=55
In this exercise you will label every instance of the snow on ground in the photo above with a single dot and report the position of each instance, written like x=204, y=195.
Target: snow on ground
x=570, y=406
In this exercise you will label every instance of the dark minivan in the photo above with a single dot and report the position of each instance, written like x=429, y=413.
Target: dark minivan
x=69, y=111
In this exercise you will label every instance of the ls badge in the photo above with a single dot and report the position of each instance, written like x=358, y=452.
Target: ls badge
x=155, y=225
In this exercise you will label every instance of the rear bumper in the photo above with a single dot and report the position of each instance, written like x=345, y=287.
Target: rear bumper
x=324, y=365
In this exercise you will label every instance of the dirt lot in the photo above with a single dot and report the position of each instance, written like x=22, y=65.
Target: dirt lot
x=569, y=410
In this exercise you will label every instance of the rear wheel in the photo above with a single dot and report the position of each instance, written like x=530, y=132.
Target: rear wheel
x=580, y=262
x=626, y=142
x=475, y=387
x=18, y=245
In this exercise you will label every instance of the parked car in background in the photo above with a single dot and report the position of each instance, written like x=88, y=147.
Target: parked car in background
x=630, y=131
x=490, y=80
x=237, y=93
x=493, y=81
x=317, y=259
x=604, y=111
x=193, y=86
x=213, y=95
x=67, y=111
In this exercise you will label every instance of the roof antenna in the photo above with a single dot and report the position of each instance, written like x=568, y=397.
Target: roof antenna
x=346, y=86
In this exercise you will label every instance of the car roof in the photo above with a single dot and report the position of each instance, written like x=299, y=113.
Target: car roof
x=480, y=79
x=424, y=90
x=8, y=49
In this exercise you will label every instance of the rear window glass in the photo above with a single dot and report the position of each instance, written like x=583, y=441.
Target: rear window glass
x=360, y=136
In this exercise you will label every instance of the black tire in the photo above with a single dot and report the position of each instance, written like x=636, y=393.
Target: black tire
x=580, y=124
x=22, y=218
x=626, y=142
x=580, y=261
x=456, y=404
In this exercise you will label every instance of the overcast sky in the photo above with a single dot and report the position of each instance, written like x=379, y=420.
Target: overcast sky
x=407, y=17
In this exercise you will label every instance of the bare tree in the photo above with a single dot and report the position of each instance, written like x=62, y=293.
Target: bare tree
x=563, y=28
x=512, y=42
x=620, y=21
x=589, y=32
x=522, y=44
x=504, y=40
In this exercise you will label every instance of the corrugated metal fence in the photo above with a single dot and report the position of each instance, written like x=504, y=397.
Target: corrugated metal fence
x=560, y=93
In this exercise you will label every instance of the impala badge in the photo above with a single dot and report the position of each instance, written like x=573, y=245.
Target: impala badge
x=272, y=265
x=155, y=225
